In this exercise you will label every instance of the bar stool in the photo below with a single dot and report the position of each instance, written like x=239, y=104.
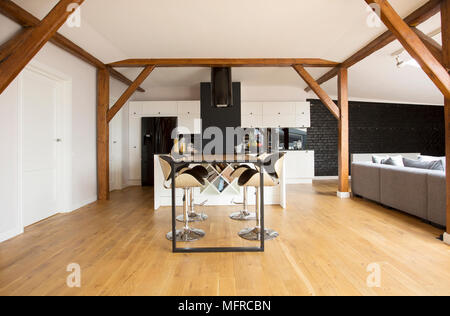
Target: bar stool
x=186, y=179
x=273, y=165
x=244, y=214
x=193, y=216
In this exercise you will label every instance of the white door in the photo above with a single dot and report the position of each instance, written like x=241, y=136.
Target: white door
x=41, y=106
x=115, y=152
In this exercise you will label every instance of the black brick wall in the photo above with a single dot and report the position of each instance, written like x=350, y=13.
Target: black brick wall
x=376, y=128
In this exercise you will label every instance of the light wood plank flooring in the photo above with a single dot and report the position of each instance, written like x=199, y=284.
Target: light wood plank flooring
x=324, y=248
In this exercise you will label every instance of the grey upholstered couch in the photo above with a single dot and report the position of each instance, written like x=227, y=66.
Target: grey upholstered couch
x=418, y=192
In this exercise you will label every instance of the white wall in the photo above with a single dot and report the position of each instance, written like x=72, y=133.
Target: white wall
x=84, y=179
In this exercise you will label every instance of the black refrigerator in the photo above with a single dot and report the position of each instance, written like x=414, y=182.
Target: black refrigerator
x=156, y=135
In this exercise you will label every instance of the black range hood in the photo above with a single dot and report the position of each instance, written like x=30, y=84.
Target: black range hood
x=222, y=87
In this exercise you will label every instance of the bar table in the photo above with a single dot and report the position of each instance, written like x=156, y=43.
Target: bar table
x=208, y=159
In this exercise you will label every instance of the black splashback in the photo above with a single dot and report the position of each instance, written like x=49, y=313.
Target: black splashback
x=220, y=117
x=376, y=128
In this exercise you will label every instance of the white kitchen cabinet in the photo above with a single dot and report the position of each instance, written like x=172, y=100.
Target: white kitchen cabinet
x=188, y=108
x=299, y=166
x=252, y=121
x=135, y=109
x=189, y=124
x=279, y=109
x=134, y=164
x=303, y=114
x=160, y=108
x=134, y=132
x=252, y=109
x=278, y=121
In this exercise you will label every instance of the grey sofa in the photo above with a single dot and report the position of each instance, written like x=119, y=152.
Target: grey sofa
x=418, y=192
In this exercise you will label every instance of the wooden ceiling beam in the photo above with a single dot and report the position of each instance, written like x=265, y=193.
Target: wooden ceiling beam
x=39, y=35
x=7, y=48
x=434, y=47
x=414, y=45
x=323, y=96
x=27, y=20
x=129, y=92
x=416, y=18
x=226, y=62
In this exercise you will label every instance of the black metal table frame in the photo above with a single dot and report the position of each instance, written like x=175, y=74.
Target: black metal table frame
x=175, y=249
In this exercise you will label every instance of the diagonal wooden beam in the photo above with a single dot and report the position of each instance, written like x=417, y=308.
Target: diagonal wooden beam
x=434, y=47
x=419, y=16
x=414, y=45
x=39, y=35
x=129, y=92
x=27, y=20
x=323, y=96
x=7, y=48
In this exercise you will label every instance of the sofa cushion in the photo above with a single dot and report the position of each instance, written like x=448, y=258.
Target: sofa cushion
x=404, y=189
x=423, y=164
x=431, y=158
x=394, y=161
x=366, y=180
x=378, y=158
x=437, y=197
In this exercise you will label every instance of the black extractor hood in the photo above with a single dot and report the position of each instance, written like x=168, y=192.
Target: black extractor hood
x=222, y=87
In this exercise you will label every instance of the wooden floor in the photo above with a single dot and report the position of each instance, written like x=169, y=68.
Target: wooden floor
x=324, y=248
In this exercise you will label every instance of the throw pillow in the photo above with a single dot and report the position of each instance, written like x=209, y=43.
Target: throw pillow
x=394, y=161
x=420, y=164
x=378, y=159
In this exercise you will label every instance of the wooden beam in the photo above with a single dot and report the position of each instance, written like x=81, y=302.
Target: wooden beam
x=129, y=92
x=118, y=76
x=25, y=19
x=416, y=18
x=226, y=62
x=434, y=47
x=323, y=96
x=102, y=134
x=7, y=48
x=445, y=20
x=39, y=35
x=414, y=45
x=343, y=147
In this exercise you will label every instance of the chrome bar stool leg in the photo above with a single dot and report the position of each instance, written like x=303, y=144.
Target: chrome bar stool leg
x=193, y=216
x=255, y=232
x=187, y=233
x=244, y=215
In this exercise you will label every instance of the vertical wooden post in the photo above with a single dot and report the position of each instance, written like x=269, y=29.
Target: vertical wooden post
x=102, y=134
x=445, y=18
x=343, y=150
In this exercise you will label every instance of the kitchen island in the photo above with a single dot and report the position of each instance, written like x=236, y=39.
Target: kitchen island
x=220, y=188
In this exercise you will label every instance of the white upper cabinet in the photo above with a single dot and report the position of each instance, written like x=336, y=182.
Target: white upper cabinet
x=275, y=114
x=189, y=108
x=303, y=114
x=135, y=109
x=160, y=108
x=252, y=109
x=279, y=108
x=251, y=114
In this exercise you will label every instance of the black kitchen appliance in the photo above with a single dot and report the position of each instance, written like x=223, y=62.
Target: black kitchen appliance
x=156, y=137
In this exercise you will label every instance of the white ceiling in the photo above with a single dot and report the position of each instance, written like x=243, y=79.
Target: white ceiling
x=330, y=29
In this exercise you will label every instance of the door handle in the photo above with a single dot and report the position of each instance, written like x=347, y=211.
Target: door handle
x=59, y=140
